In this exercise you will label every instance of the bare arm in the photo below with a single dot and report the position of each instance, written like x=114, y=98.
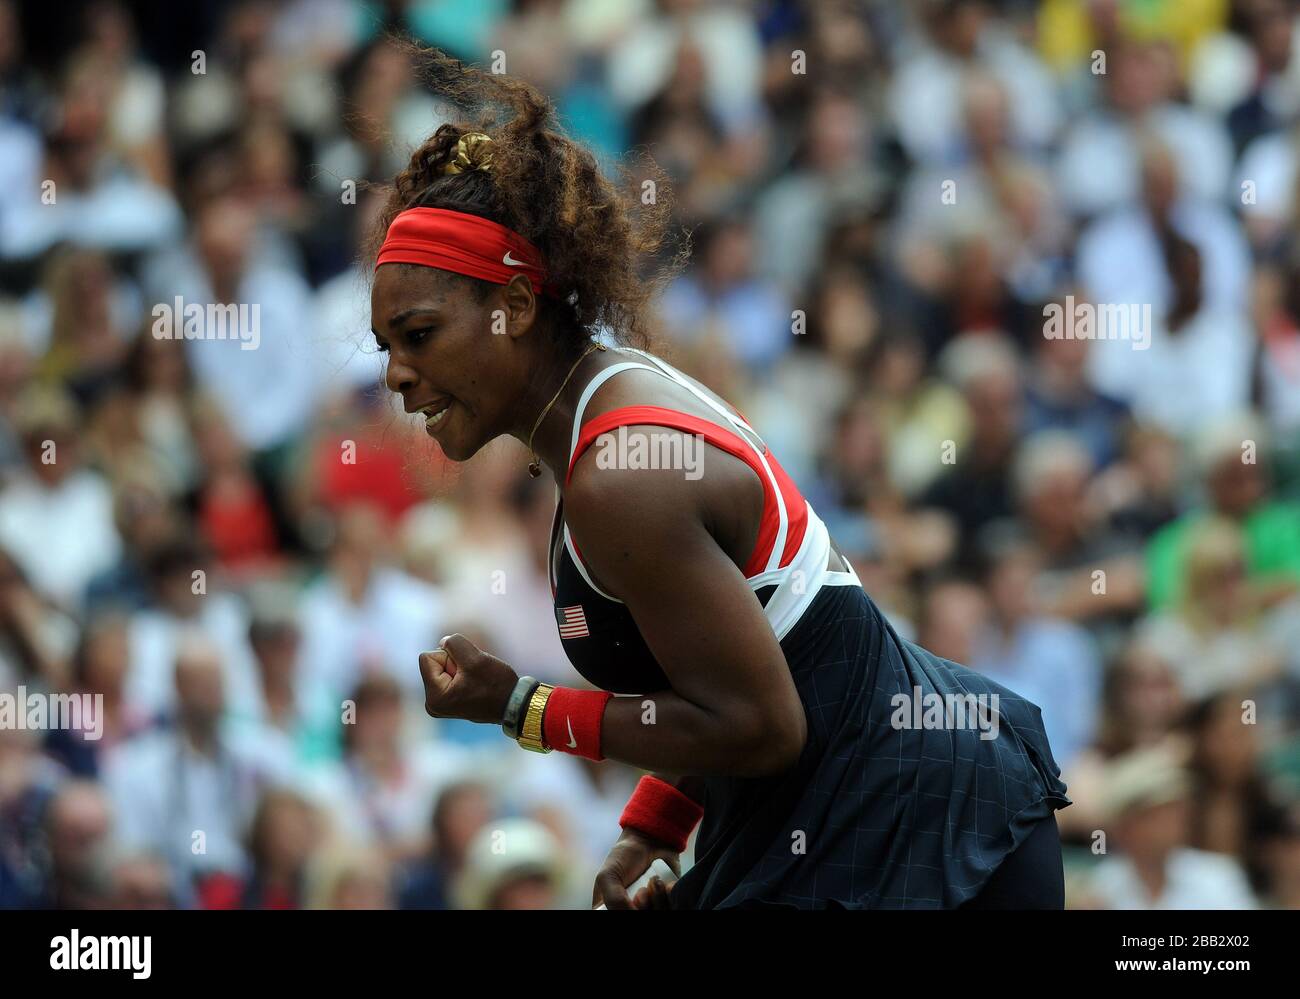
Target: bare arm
x=732, y=708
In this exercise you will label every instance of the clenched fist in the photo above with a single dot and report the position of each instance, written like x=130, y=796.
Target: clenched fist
x=463, y=681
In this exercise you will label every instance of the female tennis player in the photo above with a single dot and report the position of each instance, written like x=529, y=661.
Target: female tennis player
x=770, y=697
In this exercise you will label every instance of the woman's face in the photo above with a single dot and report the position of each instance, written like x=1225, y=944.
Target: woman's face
x=1228, y=743
x=1150, y=691
x=288, y=836
x=378, y=722
x=108, y=657
x=450, y=353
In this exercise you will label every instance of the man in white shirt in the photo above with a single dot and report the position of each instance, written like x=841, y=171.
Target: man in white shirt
x=259, y=361
x=185, y=605
x=56, y=516
x=189, y=792
x=363, y=615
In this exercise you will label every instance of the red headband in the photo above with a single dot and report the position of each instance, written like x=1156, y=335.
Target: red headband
x=462, y=243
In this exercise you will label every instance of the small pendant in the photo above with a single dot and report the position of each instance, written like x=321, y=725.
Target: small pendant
x=534, y=468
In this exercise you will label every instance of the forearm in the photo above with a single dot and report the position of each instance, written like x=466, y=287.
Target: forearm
x=663, y=732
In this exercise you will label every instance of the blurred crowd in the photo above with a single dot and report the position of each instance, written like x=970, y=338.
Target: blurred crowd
x=243, y=551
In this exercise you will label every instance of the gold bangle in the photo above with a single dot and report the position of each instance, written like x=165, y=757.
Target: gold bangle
x=530, y=732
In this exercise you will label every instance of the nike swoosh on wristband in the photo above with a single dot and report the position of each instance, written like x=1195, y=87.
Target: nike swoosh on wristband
x=507, y=259
x=573, y=743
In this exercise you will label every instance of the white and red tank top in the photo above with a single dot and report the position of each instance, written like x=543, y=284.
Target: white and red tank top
x=787, y=569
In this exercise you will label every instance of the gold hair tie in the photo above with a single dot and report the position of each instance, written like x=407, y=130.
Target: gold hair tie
x=473, y=152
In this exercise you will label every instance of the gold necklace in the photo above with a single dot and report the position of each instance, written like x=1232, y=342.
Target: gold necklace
x=535, y=466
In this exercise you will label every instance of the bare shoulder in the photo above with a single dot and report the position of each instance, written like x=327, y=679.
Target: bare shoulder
x=659, y=482
x=655, y=490
x=653, y=388
x=635, y=475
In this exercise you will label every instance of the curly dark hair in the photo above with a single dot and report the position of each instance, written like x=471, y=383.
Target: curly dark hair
x=605, y=249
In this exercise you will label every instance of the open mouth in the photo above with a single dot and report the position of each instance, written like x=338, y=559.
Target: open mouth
x=435, y=413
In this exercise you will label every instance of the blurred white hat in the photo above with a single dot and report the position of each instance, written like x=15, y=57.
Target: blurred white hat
x=1143, y=778
x=503, y=852
x=1225, y=438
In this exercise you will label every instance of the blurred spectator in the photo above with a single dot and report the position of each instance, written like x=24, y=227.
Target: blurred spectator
x=462, y=809
x=827, y=354
x=363, y=616
x=146, y=523
x=298, y=709
x=925, y=95
x=77, y=827
x=514, y=603
x=1232, y=808
x=996, y=186
x=1142, y=254
x=1227, y=456
x=516, y=864
x=724, y=298
x=1059, y=396
x=1218, y=633
x=1140, y=493
x=379, y=794
x=259, y=367
x=341, y=314
x=915, y=410
x=728, y=43
x=236, y=509
x=189, y=791
x=79, y=187
x=1047, y=660
x=831, y=175
x=1276, y=373
x=976, y=489
x=1191, y=364
x=360, y=457
x=99, y=670
x=36, y=638
x=160, y=387
x=1090, y=573
x=28, y=783
x=1149, y=864
x=1246, y=68
x=82, y=322
x=184, y=606
x=1142, y=704
x=578, y=801
x=281, y=841
x=56, y=516
x=954, y=614
x=1098, y=161
x=347, y=877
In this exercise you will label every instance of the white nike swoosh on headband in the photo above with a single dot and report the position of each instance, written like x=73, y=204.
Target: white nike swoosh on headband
x=573, y=743
x=507, y=259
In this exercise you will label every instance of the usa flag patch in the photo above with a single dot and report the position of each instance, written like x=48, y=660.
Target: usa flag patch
x=572, y=622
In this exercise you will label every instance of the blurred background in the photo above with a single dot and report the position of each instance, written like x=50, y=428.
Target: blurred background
x=1118, y=537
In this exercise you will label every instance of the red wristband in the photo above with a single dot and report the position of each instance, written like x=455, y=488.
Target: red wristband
x=572, y=720
x=662, y=812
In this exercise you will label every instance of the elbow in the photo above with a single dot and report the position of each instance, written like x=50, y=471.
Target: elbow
x=769, y=743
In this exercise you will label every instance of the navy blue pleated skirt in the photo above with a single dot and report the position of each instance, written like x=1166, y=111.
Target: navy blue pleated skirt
x=902, y=798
